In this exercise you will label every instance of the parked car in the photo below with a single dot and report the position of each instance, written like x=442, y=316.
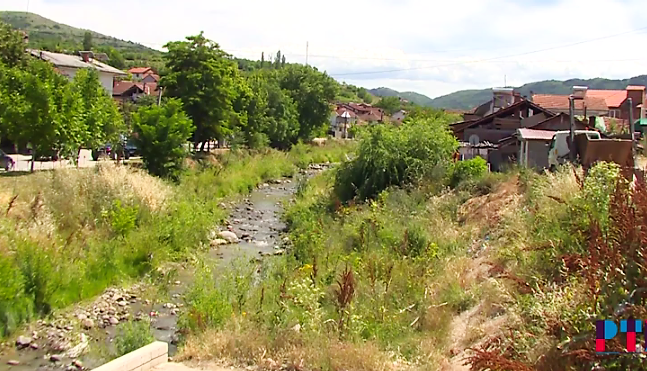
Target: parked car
x=6, y=162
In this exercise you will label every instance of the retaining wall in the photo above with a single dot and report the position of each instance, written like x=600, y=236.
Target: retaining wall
x=143, y=359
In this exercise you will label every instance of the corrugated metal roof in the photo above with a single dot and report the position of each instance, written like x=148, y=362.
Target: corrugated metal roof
x=74, y=61
x=533, y=134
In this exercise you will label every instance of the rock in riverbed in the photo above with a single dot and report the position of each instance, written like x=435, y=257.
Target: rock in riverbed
x=23, y=342
x=218, y=242
x=228, y=236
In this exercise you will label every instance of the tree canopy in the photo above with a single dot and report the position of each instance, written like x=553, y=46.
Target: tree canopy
x=205, y=79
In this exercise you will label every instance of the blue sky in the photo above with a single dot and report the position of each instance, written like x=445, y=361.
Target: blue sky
x=437, y=47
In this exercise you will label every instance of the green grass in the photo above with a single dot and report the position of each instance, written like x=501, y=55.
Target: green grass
x=66, y=235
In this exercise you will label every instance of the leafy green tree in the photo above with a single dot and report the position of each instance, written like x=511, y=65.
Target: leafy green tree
x=390, y=105
x=262, y=59
x=271, y=114
x=116, y=60
x=204, y=77
x=277, y=60
x=312, y=91
x=87, y=41
x=39, y=107
x=100, y=121
x=12, y=46
x=161, y=133
x=282, y=61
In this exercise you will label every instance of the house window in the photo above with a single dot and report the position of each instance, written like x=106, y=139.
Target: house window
x=614, y=113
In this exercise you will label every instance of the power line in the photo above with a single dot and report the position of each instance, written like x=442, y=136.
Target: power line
x=493, y=58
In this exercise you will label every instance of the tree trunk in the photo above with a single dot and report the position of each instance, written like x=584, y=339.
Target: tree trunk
x=33, y=159
x=202, y=147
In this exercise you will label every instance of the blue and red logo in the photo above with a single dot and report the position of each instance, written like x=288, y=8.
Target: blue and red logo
x=607, y=330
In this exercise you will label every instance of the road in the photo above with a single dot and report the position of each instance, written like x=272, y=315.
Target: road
x=23, y=162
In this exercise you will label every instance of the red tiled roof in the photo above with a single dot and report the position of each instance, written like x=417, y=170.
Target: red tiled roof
x=340, y=111
x=560, y=102
x=155, y=77
x=613, y=98
x=123, y=86
x=635, y=87
x=139, y=70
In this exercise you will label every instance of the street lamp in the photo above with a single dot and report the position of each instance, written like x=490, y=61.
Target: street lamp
x=579, y=92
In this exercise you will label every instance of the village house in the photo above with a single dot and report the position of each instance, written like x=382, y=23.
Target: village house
x=125, y=91
x=496, y=136
x=399, y=116
x=346, y=115
x=68, y=65
x=138, y=73
x=609, y=104
x=341, y=121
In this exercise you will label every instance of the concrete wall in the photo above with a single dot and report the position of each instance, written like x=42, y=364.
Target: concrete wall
x=106, y=79
x=143, y=359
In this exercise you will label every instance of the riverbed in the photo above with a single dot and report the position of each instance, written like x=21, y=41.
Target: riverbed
x=255, y=219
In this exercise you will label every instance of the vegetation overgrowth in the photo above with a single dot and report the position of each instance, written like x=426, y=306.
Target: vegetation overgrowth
x=68, y=234
x=508, y=270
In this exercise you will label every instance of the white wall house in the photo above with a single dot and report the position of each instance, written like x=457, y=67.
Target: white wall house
x=399, y=116
x=68, y=65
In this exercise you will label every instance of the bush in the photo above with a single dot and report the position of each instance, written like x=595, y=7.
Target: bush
x=161, y=134
x=395, y=156
x=469, y=169
x=132, y=336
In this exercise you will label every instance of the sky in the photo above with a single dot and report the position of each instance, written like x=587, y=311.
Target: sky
x=429, y=46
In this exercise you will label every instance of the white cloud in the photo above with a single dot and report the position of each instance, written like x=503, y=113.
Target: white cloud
x=434, y=43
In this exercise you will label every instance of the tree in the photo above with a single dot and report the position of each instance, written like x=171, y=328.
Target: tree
x=277, y=60
x=283, y=61
x=100, y=118
x=312, y=91
x=272, y=115
x=87, y=41
x=262, y=59
x=390, y=104
x=161, y=133
x=12, y=46
x=116, y=60
x=204, y=77
x=39, y=107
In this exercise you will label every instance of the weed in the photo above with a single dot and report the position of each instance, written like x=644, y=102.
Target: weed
x=131, y=336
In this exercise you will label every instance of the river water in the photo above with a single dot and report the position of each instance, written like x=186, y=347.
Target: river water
x=256, y=220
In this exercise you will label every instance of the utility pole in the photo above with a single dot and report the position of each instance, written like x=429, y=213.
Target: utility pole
x=571, y=109
x=505, y=81
x=306, y=53
x=631, y=128
x=159, y=98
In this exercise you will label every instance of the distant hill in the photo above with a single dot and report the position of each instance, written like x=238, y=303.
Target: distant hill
x=50, y=35
x=468, y=99
x=419, y=99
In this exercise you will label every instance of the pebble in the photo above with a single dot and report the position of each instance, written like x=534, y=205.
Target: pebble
x=33, y=346
x=87, y=323
x=78, y=364
x=56, y=358
x=23, y=341
x=13, y=362
x=113, y=321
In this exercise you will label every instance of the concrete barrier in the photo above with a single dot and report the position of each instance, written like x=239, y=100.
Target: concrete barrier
x=143, y=359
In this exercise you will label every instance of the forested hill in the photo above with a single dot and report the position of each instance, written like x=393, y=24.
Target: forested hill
x=467, y=99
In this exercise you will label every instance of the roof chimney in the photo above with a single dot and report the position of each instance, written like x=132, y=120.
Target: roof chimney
x=86, y=55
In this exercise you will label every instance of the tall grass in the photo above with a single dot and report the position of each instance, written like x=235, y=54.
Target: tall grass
x=356, y=277
x=66, y=235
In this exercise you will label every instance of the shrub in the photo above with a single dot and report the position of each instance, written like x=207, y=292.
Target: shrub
x=132, y=336
x=162, y=132
x=395, y=156
x=468, y=170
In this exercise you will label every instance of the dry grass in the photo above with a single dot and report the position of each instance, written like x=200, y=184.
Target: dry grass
x=244, y=346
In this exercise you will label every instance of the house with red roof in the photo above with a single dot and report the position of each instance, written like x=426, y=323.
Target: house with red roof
x=124, y=91
x=138, y=73
x=604, y=103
